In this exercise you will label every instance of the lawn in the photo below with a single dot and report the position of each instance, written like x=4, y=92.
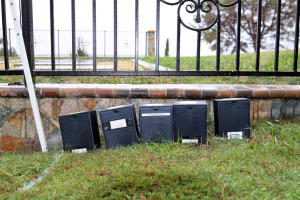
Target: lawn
x=189, y=63
x=263, y=167
x=228, y=62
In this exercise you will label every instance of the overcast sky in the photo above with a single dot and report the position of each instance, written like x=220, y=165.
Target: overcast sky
x=126, y=20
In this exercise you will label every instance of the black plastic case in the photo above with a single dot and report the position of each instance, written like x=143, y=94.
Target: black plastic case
x=232, y=115
x=156, y=122
x=119, y=126
x=80, y=131
x=190, y=121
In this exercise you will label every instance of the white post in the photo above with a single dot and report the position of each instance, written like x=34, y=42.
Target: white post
x=28, y=77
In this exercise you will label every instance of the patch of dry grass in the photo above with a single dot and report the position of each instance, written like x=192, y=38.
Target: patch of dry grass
x=123, y=65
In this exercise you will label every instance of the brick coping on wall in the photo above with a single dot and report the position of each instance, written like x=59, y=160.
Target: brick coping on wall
x=155, y=91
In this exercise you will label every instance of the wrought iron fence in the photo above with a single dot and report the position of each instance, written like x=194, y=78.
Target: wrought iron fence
x=42, y=42
x=194, y=7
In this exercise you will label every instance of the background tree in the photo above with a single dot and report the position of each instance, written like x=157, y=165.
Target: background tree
x=82, y=47
x=167, y=48
x=249, y=25
x=11, y=52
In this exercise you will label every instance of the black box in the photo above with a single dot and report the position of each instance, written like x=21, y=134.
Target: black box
x=156, y=122
x=232, y=116
x=190, y=121
x=119, y=126
x=80, y=131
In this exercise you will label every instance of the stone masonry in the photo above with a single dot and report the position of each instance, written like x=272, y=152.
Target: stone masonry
x=16, y=117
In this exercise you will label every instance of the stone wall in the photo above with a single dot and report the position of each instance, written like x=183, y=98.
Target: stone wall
x=16, y=117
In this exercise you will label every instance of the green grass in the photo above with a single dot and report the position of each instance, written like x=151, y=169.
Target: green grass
x=189, y=63
x=228, y=62
x=264, y=167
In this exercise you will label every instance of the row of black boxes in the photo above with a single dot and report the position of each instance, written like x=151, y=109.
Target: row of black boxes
x=184, y=121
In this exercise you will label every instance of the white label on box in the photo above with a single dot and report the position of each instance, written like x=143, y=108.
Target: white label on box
x=121, y=123
x=189, y=141
x=188, y=102
x=84, y=150
x=155, y=114
x=154, y=104
x=235, y=135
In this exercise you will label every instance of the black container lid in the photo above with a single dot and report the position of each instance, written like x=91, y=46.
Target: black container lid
x=76, y=113
x=231, y=99
x=117, y=107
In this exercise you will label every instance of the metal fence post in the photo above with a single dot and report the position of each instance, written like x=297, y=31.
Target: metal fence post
x=58, y=44
x=9, y=38
x=151, y=43
x=27, y=28
x=52, y=34
x=5, y=51
x=146, y=45
x=104, y=44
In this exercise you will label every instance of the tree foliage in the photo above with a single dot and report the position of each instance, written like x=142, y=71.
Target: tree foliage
x=11, y=52
x=249, y=25
x=82, y=47
x=167, y=48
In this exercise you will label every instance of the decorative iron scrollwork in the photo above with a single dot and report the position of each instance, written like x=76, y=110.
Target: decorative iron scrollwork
x=229, y=4
x=196, y=8
x=171, y=3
